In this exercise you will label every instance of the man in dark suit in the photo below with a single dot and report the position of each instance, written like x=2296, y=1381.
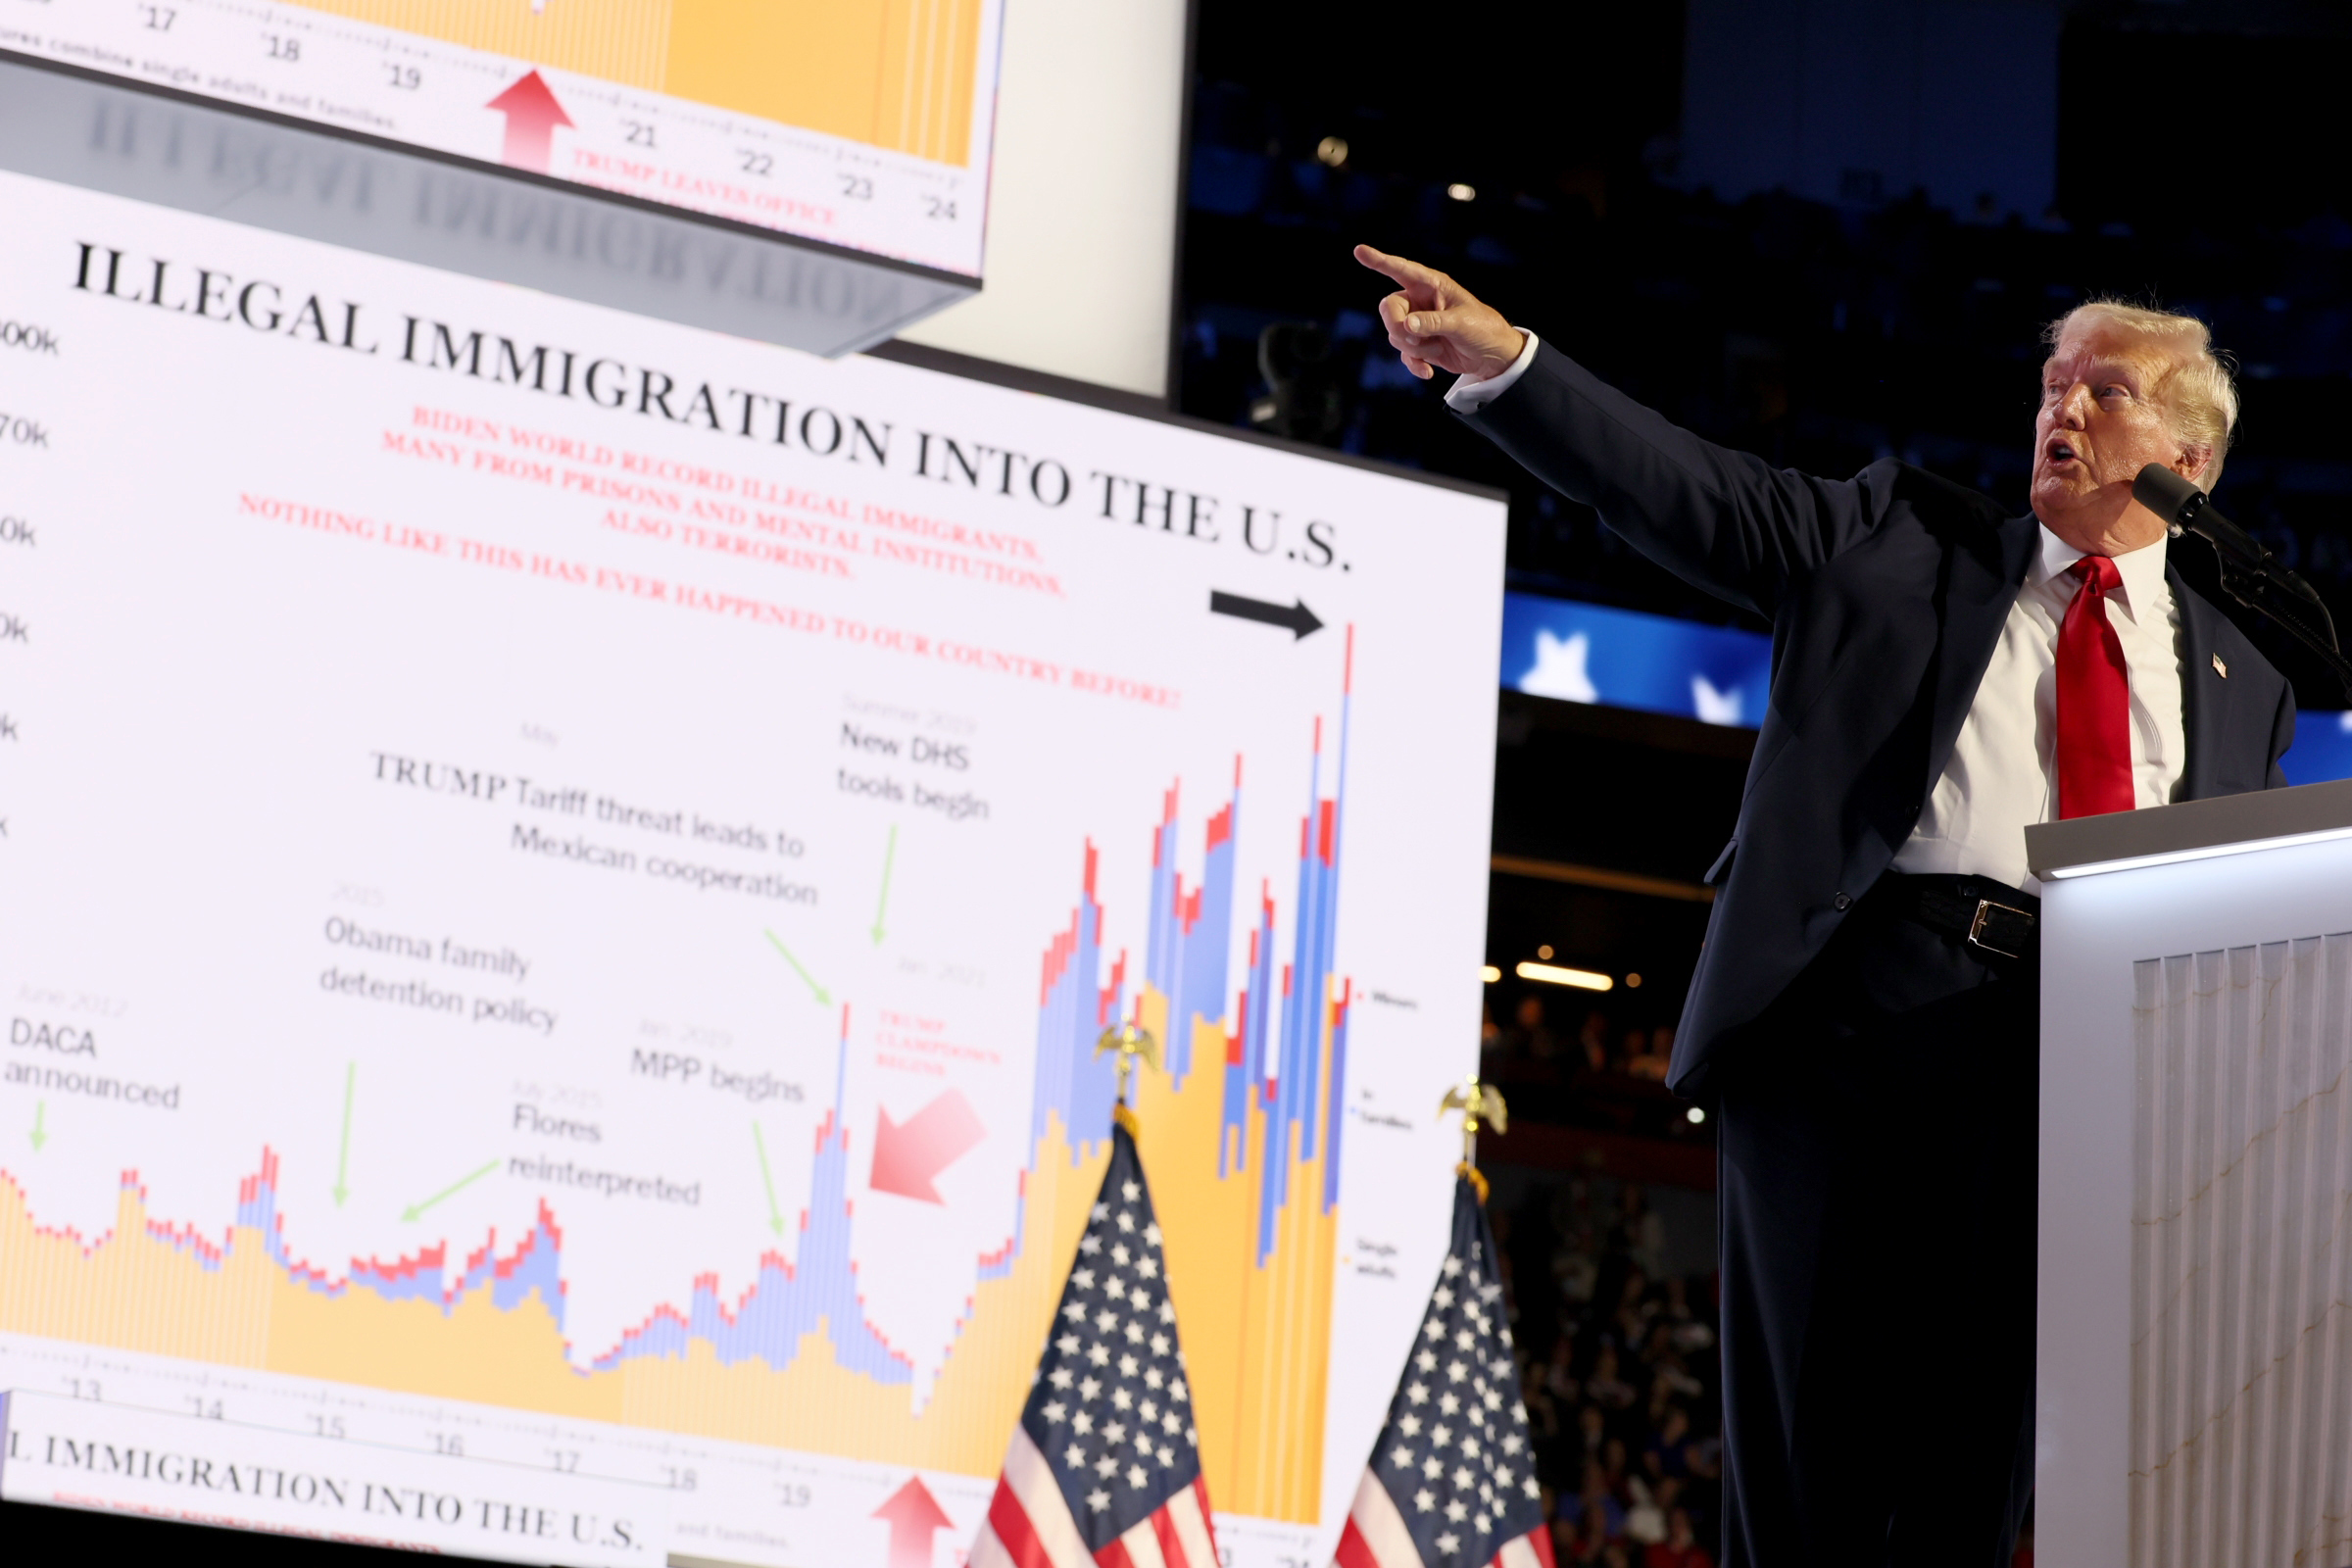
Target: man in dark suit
x=1864, y=1011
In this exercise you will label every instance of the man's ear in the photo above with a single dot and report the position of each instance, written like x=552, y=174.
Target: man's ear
x=2193, y=461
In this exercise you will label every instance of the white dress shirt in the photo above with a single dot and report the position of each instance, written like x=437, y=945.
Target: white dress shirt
x=2003, y=775
x=1475, y=391
x=2003, y=772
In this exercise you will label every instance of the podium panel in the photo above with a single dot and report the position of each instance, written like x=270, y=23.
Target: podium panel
x=2195, y=1328
x=2240, y=1183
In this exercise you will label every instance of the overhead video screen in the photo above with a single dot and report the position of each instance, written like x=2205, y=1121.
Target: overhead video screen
x=861, y=122
x=560, y=881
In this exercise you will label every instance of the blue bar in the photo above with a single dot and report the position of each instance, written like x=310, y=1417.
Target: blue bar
x=2323, y=747
x=1581, y=652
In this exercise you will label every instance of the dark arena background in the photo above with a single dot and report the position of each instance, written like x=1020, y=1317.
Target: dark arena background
x=1825, y=232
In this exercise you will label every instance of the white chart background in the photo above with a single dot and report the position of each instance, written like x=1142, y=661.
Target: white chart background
x=200, y=690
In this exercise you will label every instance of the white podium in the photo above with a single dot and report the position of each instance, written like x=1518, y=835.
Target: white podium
x=2194, y=1405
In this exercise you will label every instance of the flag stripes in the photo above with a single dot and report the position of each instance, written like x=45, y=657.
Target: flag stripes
x=1029, y=1525
x=1103, y=1470
x=1376, y=1536
x=1531, y=1551
x=1451, y=1479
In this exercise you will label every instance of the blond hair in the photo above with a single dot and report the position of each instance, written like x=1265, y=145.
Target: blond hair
x=2196, y=389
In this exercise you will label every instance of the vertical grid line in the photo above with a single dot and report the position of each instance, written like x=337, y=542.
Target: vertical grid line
x=2201, y=1375
x=2296, y=1084
x=2167, y=1393
x=2335, y=1444
x=2215, y=973
x=2148, y=977
x=2260, y=1011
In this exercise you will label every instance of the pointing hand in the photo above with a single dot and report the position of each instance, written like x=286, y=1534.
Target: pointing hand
x=1435, y=323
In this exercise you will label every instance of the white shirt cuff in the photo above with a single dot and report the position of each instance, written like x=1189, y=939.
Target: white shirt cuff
x=1471, y=392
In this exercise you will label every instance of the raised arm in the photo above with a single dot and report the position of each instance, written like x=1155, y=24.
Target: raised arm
x=1722, y=520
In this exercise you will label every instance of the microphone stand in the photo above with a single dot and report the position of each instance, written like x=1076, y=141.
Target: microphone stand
x=2250, y=574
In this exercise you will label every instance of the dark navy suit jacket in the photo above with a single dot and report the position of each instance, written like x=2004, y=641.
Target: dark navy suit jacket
x=1886, y=594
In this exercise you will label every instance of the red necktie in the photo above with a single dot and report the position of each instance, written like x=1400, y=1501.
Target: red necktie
x=2094, y=699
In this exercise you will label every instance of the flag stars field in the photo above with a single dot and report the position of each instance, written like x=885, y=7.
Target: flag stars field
x=1447, y=1486
x=1483, y=1451
x=1106, y=1450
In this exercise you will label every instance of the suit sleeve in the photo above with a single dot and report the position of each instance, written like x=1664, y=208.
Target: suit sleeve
x=2283, y=734
x=1724, y=521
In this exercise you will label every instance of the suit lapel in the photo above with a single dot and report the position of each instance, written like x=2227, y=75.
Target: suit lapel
x=1982, y=585
x=2199, y=629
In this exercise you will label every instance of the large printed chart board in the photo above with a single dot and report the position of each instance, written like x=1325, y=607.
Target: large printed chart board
x=861, y=123
x=562, y=877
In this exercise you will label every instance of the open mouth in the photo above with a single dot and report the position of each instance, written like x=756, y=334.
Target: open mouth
x=2059, y=452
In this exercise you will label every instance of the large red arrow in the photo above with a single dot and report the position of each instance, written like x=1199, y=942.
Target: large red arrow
x=908, y=1154
x=532, y=115
x=913, y=1515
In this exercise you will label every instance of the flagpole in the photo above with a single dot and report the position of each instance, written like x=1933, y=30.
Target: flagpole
x=1450, y=1481
x=1105, y=1463
x=1481, y=1104
x=1130, y=1041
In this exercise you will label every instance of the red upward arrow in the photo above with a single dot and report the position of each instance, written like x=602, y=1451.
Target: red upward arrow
x=907, y=1155
x=532, y=115
x=913, y=1515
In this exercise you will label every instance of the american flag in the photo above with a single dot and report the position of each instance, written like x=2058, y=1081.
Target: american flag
x=1453, y=1479
x=1104, y=1469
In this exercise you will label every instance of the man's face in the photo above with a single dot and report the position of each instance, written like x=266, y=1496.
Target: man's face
x=2099, y=425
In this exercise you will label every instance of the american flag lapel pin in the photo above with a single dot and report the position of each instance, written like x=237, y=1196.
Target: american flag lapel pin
x=2220, y=668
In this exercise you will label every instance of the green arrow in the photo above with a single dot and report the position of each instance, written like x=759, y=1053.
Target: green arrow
x=822, y=1000
x=775, y=1215
x=451, y=1191
x=889, y=854
x=351, y=1077
x=40, y=1114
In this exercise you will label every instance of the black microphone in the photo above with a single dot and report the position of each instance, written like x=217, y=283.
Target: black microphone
x=2250, y=574
x=2184, y=507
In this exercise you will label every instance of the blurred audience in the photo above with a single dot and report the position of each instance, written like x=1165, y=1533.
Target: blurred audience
x=1618, y=1363
x=1609, y=1073
x=1647, y=1055
x=1592, y=1043
x=1620, y=1377
x=1528, y=1038
x=1617, y=1353
x=1679, y=1549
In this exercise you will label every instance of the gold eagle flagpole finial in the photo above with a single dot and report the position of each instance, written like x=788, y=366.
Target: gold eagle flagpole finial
x=1130, y=1041
x=1481, y=1105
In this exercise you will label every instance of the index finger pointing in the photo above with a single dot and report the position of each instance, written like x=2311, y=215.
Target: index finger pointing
x=1409, y=272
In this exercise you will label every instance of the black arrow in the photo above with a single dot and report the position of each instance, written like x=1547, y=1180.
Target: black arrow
x=1296, y=617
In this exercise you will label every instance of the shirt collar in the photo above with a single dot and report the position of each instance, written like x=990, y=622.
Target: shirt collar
x=2141, y=569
